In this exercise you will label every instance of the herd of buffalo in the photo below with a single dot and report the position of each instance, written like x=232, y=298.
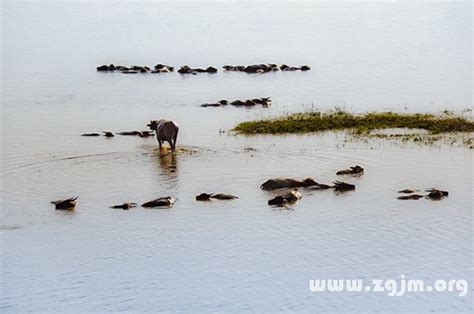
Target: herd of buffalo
x=264, y=101
x=127, y=133
x=161, y=68
x=167, y=131
x=287, y=198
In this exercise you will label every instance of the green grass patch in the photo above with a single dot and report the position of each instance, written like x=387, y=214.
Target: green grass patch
x=359, y=123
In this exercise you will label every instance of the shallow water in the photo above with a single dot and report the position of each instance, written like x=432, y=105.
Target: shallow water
x=240, y=255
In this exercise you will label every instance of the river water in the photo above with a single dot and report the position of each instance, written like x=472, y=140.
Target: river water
x=239, y=255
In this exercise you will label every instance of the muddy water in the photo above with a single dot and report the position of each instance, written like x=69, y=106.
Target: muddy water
x=237, y=255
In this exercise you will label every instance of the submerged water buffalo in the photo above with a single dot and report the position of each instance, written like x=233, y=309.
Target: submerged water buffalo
x=90, y=134
x=264, y=101
x=412, y=194
x=279, y=183
x=284, y=67
x=408, y=191
x=146, y=133
x=220, y=103
x=254, y=68
x=106, y=68
x=352, y=170
x=187, y=70
x=165, y=130
x=343, y=186
x=321, y=186
x=264, y=68
x=130, y=133
x=125, y=206
x=65, y=204
x=161, y=68
x=123, y=69
x=410, y=197
x=236, y=68
x=137, y=133
x=166, y=201
x=436, y=194
x=289, y=197
x=219, y=196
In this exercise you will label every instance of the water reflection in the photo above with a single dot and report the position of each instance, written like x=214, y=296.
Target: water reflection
x=66, y=212
x=168, y=163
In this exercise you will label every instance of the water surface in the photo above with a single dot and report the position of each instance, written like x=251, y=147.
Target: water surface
x=239, y=255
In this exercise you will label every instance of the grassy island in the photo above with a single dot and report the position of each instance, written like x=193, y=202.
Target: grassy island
x=358, y=123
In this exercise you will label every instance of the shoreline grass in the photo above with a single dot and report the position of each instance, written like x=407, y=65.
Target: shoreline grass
x=338, y=120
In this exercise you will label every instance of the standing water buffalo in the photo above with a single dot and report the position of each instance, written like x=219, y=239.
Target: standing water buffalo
x=166, y=130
